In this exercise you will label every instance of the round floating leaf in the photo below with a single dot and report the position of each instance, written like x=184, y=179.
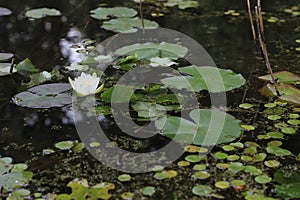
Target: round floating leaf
x=128, y=25
x=237, y=144
x=247, y=158
x=276, y=135
x=161, y=175
x=278, y=151
x=236, y=166
x=260, y=157
x=199, y=167
x=294, y=116
x=294, y=121
x=251, y=144
x=182, y=4
x=270, y=105
x=124, y=177
x=222, y=184
x=150, y=110
x=64, y=145
x=250, y=150
x=288, y=130
x=163, y=50
x=272, y=163
x=21, y=193
x=183, y=163
x=106, y=13
x=233, y=157
x=201, y=175
x=194, y=149
x=286, y=176
x=4, y=11
x=263, y=137
x=193, y=158
x=228, y=148
x=171, y=173
x=237, y=183
x=276, y=143
x=5, y=56
x=253, y=170
x=288, y=191
x=5, y=69
x=148, y=191
x=248, y=127
x=246, y=105
x=42, y=12
x=263, y=179
x=282, y=77
x=207, y=78
x=19, y=167
x=15, y=179
x=221, y=155
x=47, y=151
x=222, y=165
x=44, y=96
x=127, y=196
x=274, y=117
x=201, y=190
x=94, y=144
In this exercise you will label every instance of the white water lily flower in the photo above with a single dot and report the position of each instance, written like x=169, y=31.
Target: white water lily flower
x=86, y=84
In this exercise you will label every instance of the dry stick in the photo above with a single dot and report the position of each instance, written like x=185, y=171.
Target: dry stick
x=251, y=20
x=142, y=17
x=261, y=23
x=264, y=48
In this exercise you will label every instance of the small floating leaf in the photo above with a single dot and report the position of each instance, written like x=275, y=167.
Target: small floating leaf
x=183, y=163
x=288, y=191
x=276, y=143
x=263, y=179
x=194, y=149
x=294, y=116
x=236, y=166
x=199, y=167
x=276, y=135
x=127, y=196
x=201, y=175
x=282, y=77
x=272, y=163
x=278, y=151
x=294, y=121
x=42, y=12
x=260, y=157
x=222, y=184
x=220, y=155
x=274, y=117
x=270, y=105
x=247, y=158
x=253, y=170
x=233, y=157
x=148, y=191
x=228, y=148
x=4, y=11
x=237, y=144
x=288, y=130
x=201, y=190
x=128, y=25
x=124, y=177
x=246, y=105
x=248, y=127
x=19, y=167
x=182, y=4
x=106, y=13
x=236, y=183
x=64, y=145
x=222, y=165
x=193, y=158
x=94, y=144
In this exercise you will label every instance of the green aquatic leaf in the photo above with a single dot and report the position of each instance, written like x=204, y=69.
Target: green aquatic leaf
x=263, y=179
x=278, y=151
x=236, y=166
x=207, y=78
x=107, y=13
x=161, y=62
x=44, y=96
x=201, y=175
x=26, y=68
x=272, y=163
x=42, y=77
x=5, y=56
x=64, y=145
x=205, y=128
x=124, y=177
x=42, y=12
x=202, y=190
x=119, y=91
x=148, y=191
x=77, y=67
x=288, y=191
x=182, y=4
x=199, y=167
x=276, y=135
x=286, y=176
x=288, y=130
x=150, y=110
x=128, y=25
x=13, y=180
x=162, y=50
x=237, y=183
x=282, y=77
x=193, y=158
x=127, y=196
x=183, y=163
x=246, y=105
x=222, y=184
x=220, y=155
x=253, y=170
x=5, y=69
x=4, y=11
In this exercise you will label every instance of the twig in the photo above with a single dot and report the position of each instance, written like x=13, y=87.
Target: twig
x=251, y=20
x=142, y=16
x=12, y=65
x=263, y=46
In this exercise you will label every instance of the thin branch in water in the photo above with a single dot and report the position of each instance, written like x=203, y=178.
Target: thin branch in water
x=142, y=16
x=12, y=65
x=264, y=48
x=251, y=20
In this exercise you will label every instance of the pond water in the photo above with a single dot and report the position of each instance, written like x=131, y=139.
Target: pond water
x=26, y=132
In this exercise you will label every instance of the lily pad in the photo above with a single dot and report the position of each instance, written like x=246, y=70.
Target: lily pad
x=44, y=96
x=286, y=176
x=272, y=163
x=64, y=145
x=202, y=190
x=287, y=92
x=246, y=105
x=5, y=69
x=207, y=78
x=124, y=177
x=182, y=4
x=5, y=56
x=42, y=12
x=26, y=68
x=148, y=191
x=288, y=191
x=222, y=184
x=263, y=179
x=206, y=129
x=106, y=13
x=278, y=151
x=162, y=50
x=128, y=25
x=201, y=175
x=150, y=110
x=282, y=77
x=4, y=11
x=12, y=180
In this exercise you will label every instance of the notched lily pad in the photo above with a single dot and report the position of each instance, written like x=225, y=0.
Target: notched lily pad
x=44, y=96
x=207, y=78
x=128, y=25
x=282, y=77
x=106, y=13
x=42, y=12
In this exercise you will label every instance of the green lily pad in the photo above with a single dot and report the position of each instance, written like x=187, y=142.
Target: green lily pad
x=237, y=183
x=106, y=13
x=233, y=157
x=163, y=50
x=182, y=4
x=5, y=56
x=44, y=96
x=272, y=163
x=42, y=77
x=248, y=127
x=4, y=11
x=204, y=130
x=201, y=175
x=294, y=116
x=128, y=25
x=282, y=77
x=207, y=78
x=274, y=117
x=222, y=165
x=220, y=155
x=294, y=121
x=26, y=68
x=21, y=193
x=202, y=190
x=228, y=148
x=199, y=167
x=288, y=191
x=150, y=110
x=222, y=184
x=278, y=151
x=247, y=158
x=253, y=170
x=161, y=62
x=263, y=179
x=12, y=180
x=193, y=158
x=124, y=177
x=183, y=163
x=237, y=144
x=165, y=174
x=260, y=157
x=95, y=144
x=276, y=135
x=5, y=69
x=236, y=166
x=127, y=196
x=246, y=105
x=148, y=191
x=19, y=167
x=276, y=143
x=77, y=67
x=288, y=130
x=64, y=145
x=42, y=12
x=287, y=92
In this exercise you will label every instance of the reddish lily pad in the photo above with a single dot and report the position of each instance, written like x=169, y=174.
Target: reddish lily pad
x=287, y=92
